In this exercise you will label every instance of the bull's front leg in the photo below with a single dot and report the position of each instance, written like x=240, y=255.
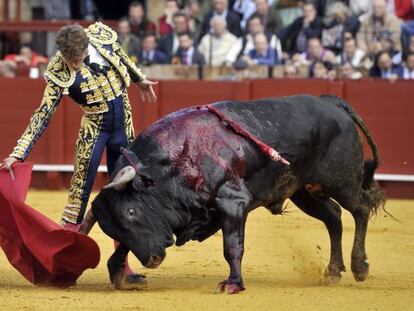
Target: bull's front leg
x=116, y=268
x=232, y=201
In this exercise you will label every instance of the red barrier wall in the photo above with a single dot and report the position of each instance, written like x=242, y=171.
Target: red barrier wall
x=386, y=108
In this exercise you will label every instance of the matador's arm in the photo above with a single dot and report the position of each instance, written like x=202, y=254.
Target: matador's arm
x=135, y=73
x=39, y=121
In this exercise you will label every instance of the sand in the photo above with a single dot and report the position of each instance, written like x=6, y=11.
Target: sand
x=282, y=268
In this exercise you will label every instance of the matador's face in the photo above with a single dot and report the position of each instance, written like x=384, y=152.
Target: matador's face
x=76, y=62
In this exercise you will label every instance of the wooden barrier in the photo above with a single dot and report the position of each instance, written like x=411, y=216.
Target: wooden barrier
x=386, y=108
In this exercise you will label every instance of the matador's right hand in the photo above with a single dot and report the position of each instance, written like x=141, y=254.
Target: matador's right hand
x=8, y=162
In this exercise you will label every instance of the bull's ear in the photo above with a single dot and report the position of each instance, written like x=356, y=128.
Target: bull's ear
x=142, y=181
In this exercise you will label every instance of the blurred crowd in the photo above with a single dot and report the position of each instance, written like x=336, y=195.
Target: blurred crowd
x=332, y=38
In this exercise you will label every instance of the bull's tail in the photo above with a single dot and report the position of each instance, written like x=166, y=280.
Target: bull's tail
x=372, y=195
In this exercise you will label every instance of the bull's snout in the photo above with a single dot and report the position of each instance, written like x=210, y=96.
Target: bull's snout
x=154, y=262
x=170, y=242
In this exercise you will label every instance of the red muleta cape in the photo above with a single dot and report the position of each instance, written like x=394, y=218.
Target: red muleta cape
x=40, y=249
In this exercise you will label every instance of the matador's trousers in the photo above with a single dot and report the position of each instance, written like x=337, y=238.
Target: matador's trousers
x=113, y=130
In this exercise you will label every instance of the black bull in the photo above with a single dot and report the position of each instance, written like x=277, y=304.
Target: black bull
x=190, y=174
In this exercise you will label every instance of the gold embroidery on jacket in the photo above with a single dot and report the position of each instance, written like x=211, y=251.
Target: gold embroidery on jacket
x=84, y=86
x=100, y=33
x=136, y=73
x=128, y=124
x=39, y=121
x=59, y=72
x=85, y=73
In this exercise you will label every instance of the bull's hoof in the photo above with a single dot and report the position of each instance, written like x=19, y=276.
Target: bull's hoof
x=332, y=275
x=276, y=209
x=136, y=278
x=332, y=279
x=122, y=281
x=360, y=270
x=229, y=288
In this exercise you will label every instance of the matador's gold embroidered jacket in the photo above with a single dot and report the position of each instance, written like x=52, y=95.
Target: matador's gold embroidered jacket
x=90, y=90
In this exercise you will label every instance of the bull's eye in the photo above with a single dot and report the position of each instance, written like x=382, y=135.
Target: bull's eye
x=131, y=212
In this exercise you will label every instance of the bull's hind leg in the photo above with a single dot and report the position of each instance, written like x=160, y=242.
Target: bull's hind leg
x=329, y=213
x=232, y=202
x=359, y=265
x=360, y=212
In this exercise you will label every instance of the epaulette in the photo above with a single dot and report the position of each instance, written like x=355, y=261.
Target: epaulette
x=59, y=72
x=101, y=33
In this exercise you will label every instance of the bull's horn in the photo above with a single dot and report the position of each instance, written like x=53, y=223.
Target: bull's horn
x=124, y=176
x=87, y=223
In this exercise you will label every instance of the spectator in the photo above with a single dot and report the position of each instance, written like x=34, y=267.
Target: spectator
x=321, y=70
x=359, y=7
x=341, y=22
x=241, y=70
x=169, y=43
x=55, y=10
x=165, y=22
x=150, y=54
x=216, y=45
x=314, y=52
x=351, y=54
x=245, y=44
x=245, y=8
x=26, y=62
x=347, y=71
x=186, y=53
x=387, y=44
x=410, y=47
x=138, y=20
x=262, y=54
x=322, y=7
x=289, y=10
x=271, y=20
x=220, y=8
x=407, y=30
x=192, y=10
x=401, y=8
x=87, y=10
x=7, y=69
x=383, y=67
x=129, y=42
x=406, y=71
x=291, y=71
x=397, y=59
x=375, y=24
x=294, y=37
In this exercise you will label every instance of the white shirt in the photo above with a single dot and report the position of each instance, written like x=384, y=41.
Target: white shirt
x=176, y=44
x=223, y=15
x=235, y=50
x=149, y=55
x=246, y=8
x=218, y=46
x=408, y=75
x=95, y=57
x=356, y=58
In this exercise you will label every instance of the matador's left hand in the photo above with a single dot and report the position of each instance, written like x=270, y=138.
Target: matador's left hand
x=147, y=91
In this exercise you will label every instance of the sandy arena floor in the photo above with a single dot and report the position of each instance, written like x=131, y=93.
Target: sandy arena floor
x=283, y=265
